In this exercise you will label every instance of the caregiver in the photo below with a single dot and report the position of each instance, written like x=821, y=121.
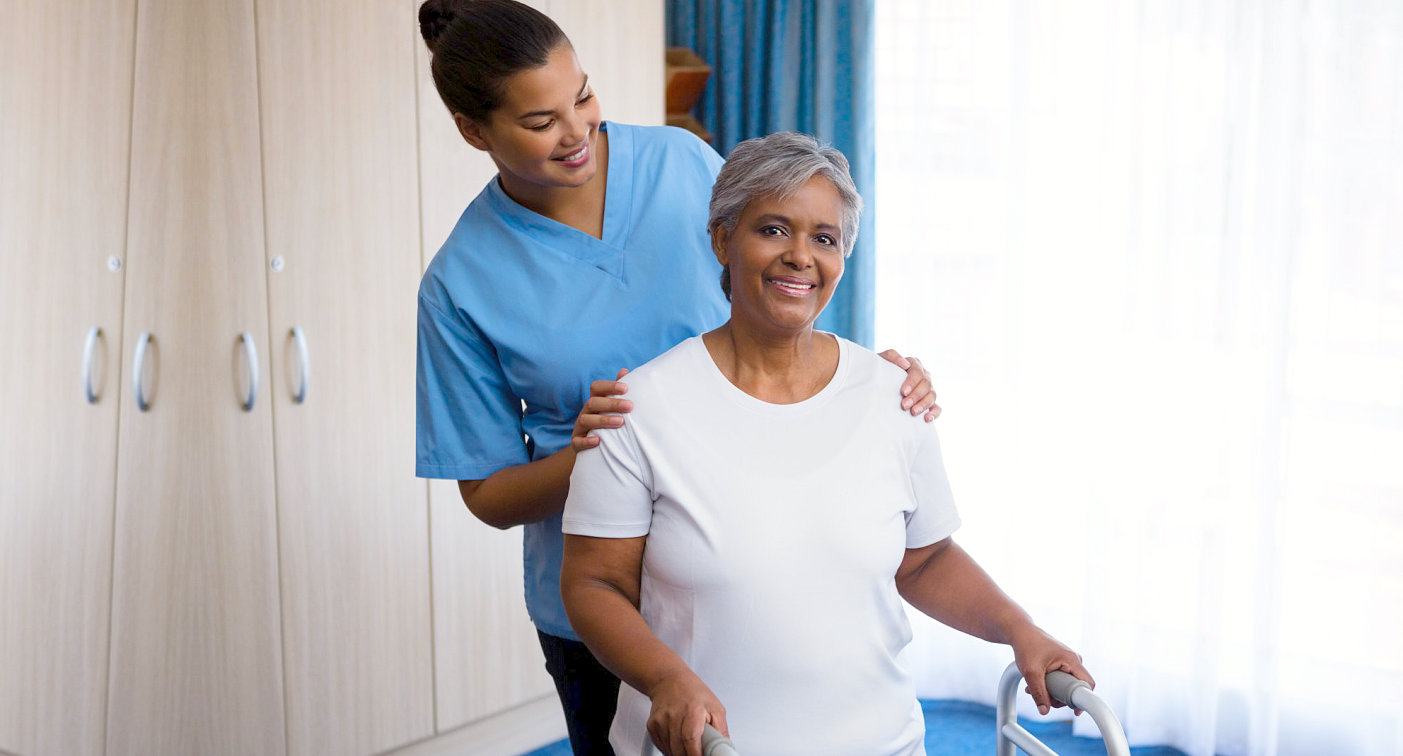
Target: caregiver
x=586, y=254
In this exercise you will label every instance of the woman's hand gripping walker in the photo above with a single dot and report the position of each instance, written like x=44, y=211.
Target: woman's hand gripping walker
x=1066, y=689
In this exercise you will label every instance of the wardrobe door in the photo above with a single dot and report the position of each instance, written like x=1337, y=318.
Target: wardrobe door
x=336, y=83
x=620, y=45
x=196, y=655
x=486, y=656
x=65, y=120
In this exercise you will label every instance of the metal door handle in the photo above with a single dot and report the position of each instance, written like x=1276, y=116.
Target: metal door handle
x=138, y=361
x=300, y=339
x=88, y=348
x=251, y=354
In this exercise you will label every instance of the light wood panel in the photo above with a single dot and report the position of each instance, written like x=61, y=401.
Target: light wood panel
x=620, y=45
x=340, y=178
x=486, y=657
x=65, y=119
x=196, y=662
x=521, y=729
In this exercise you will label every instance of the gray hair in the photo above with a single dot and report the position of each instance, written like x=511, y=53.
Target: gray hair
x=778, y=165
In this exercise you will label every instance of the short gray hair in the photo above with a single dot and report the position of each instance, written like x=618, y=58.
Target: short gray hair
x=778, y=165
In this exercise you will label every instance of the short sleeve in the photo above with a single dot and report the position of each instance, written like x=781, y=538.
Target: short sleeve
x=610, y=489
x=468, y=421
x=935, y=517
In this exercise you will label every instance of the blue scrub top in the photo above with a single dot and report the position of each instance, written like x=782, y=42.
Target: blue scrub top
x=518, y=308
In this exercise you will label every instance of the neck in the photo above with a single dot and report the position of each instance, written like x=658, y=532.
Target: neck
x=777, y=368
x=580, y=207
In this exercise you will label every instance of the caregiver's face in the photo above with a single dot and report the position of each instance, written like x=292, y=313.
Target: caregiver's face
x=785, y=257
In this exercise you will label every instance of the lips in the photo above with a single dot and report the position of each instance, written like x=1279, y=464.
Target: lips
x=575, y=159
x=791, y=286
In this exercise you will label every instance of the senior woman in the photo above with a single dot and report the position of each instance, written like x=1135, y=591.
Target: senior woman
x=737, y=553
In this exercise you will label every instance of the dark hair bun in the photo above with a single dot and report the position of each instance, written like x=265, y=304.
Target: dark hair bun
x=435, y=16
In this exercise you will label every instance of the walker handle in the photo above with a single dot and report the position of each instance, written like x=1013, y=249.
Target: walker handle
x=716, y=744
x=1066, y=689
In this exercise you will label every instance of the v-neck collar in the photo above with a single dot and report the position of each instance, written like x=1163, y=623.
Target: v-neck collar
x=605, y=254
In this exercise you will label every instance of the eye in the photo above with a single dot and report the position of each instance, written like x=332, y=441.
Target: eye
x=541, y=126
x=826, y=239
x=585, y=100
x=771, y=231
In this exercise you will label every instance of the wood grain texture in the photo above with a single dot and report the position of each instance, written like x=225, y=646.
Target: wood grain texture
x=196, y=660
x=536, y=723
x=340, y=177
x=620, y=46
x=65, y=127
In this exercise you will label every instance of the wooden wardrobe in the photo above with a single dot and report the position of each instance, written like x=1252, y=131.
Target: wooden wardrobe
x=213, y=219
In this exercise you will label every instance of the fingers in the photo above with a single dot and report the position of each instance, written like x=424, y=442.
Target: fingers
x=609, y=388
x=895, y=358
x=1037, y=688
x=600, y=411
x=622, y=372
x=679, y=736
x=718, y=720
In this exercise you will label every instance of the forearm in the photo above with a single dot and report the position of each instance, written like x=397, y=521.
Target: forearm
x=610, y=625
x=951, y=587
x=521, y=494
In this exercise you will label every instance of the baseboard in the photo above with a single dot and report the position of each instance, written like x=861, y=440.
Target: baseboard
x=509, y=733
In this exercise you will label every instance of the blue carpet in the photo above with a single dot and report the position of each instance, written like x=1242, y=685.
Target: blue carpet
x=960, y=728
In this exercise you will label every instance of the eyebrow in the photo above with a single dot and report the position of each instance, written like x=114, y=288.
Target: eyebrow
x=539, y=113
x=782, y=219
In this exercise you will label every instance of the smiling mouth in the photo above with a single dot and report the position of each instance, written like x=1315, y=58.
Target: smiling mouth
x=793, y=287
x=576, y=156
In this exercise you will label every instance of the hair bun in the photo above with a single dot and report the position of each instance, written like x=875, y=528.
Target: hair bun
x=435, y=16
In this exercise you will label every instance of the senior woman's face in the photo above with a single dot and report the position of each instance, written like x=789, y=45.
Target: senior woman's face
x=785, y=257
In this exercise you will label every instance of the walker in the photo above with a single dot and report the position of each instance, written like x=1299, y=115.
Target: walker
x=1060, y=685
x=1066, y=689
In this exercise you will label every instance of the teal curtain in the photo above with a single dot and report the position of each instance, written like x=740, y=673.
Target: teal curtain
x=794, y=65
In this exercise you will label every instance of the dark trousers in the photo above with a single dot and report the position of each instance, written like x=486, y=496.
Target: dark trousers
x=588, y=693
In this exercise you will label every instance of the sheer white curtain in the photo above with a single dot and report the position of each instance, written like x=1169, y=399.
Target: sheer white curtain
x=1153, y=253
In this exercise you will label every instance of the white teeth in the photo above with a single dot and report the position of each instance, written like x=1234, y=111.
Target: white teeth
x=792, y=285
x=574, y=157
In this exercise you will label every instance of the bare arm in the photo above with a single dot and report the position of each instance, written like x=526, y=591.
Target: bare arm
x=600, y=580
x=520, y=494
x=943, y=581
x=536, y=491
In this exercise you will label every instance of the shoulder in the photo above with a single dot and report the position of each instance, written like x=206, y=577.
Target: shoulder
x=868, y=367
x=455, y=263
x=676, y=364
x=875, y=384
x=675, y=148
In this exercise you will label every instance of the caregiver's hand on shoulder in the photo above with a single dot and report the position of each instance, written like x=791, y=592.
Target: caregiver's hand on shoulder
x=1036, y=653
x=917, y=393
x=598, y=411
x=682, y=707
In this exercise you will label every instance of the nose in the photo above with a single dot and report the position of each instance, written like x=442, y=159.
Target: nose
x=797, y=254
x=576, y=130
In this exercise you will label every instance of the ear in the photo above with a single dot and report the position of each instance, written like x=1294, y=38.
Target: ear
x=719, y=237
x=472, y=132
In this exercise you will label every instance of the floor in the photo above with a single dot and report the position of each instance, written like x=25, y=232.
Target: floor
x=960, y=728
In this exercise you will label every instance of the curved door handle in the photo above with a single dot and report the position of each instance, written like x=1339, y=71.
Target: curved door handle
x=300, y=339
x=251, y=354
x=138, y=362
x=94, y=334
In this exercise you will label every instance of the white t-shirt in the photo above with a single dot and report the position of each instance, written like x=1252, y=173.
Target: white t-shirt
x=774, y=535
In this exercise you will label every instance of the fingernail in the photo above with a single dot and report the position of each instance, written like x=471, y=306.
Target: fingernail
x=1042, y=710
x=616, y=421
x=906, y=404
